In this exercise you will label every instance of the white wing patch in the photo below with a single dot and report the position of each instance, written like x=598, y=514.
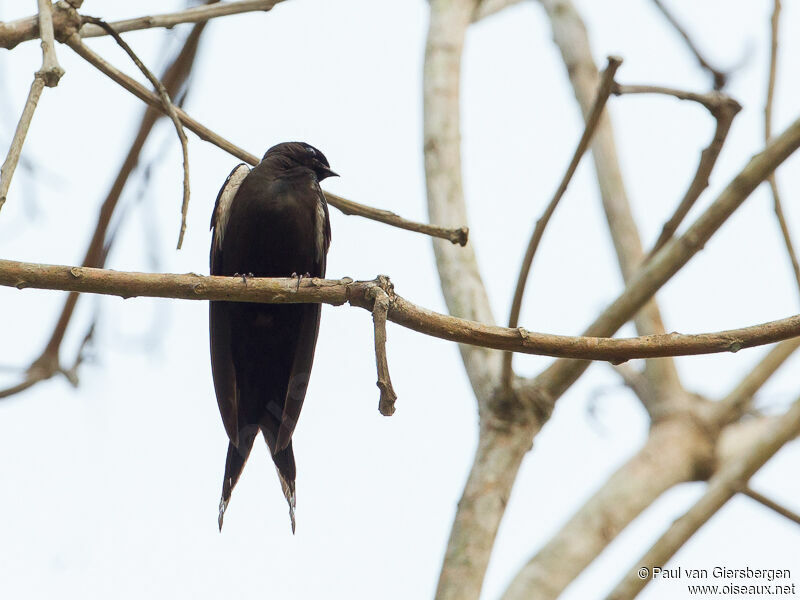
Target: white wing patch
x=226, y=195
x=319, y=224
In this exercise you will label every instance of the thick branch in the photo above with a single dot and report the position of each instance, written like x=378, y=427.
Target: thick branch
x=729, y=480
x=671, y=455
x=592, y=119
x=128, y=284
x=487, y=8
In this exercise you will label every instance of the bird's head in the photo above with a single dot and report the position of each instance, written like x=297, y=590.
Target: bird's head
x=294, y=154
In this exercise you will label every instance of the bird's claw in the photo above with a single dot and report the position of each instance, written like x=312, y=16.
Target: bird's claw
x=299, y=279
x=244, y=276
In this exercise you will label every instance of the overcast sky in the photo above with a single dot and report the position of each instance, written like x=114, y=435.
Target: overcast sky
x=111, y=489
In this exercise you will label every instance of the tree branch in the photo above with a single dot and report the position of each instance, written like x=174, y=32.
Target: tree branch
x=592, y=119
x=724, y=109
x=128, y=284
x=729, y=480
x=51, y=71
x=720, y=77
x=169, y=109
x=347, y=207
x=380, y=309
x=772, y=505
x=772, y=179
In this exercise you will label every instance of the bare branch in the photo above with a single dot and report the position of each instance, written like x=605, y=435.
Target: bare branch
x=720, y=77
x=347, y=207
x=10, y=163
x=772, y=179
x=724, y=109
x=771, y=504
x=169, y=109
x=196, y=14
x=592, y=119
x=487, y=8
x=196, y=287
x=570, y=35
x=731, y=478
x=66, y=20
x=51, y=71
x=457, y=235
x=47, y=364
x=380, y=309
x=737, y=401
x=675, y=450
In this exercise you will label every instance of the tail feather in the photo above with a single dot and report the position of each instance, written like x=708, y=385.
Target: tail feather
x=234, y=463
x=284, y=464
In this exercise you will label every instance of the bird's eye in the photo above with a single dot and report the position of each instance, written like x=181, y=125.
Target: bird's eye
x=311, y=151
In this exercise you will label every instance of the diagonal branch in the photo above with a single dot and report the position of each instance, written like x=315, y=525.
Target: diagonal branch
x=23, y=30
x=169, y=109
x=455, y=235
x=772, y=179
x=729, y=480
x=47, y=364
x=592, y=119
x=772, y=505
x=48, y=76
x=720, y=77
x=724, y=109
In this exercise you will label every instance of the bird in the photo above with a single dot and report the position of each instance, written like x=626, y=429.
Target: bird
x=271, y=221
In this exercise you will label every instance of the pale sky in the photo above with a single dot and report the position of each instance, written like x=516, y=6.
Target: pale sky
x=111, y=489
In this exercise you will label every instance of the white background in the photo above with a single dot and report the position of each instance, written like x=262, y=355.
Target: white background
x=111, y=489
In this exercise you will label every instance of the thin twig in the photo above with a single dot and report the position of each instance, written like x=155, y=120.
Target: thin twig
x=732, y=477
x=603, y=91
x=380, y=311
x=772, y=179
x=23, y=275
x=22, y=30
x=51, y=71
x=771, y=504
x=47, y=364
x=724, y=109
x=720, y=77
x=10, y=164
x=456, y=235
x=169, y=109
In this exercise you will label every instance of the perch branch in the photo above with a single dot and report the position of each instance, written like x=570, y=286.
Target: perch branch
x=51, y=71
x=731, y=478
x=380, y=309
x=169, y=109
x=592, y=119
x=273, y=290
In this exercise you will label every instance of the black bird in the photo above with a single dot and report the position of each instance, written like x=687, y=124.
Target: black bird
x=268, y=222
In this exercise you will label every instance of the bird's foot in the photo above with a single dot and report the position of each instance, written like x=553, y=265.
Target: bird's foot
x=244, y=276
x=300, y=278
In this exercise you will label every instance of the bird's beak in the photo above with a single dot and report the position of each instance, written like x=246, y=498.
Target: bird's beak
x=323, y=172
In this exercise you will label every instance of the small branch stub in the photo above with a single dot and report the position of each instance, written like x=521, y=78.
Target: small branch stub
x=380, y=310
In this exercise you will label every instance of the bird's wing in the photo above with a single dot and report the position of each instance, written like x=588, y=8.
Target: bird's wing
x=306, y=343
x=222, y=367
